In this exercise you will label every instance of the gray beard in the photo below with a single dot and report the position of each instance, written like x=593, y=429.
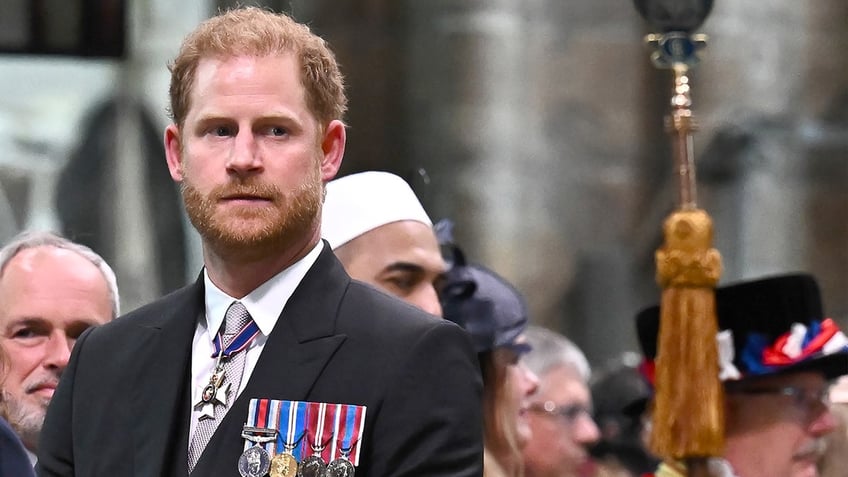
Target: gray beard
x=24, y=419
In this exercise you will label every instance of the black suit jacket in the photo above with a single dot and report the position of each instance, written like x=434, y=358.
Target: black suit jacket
x=122, y=406
x=14, y=461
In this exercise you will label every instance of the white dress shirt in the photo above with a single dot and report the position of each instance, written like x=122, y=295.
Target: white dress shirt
x=265, y=304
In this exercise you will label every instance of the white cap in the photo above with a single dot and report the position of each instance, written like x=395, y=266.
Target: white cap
x=361, y=202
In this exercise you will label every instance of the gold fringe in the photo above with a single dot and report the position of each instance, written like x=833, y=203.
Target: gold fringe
x=688, y=417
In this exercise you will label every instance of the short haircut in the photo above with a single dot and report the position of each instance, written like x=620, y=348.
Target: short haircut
x=551, y=350
x=33, y=239
x=256, y=32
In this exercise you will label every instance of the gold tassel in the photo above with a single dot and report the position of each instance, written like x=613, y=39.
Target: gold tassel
x=688, y=419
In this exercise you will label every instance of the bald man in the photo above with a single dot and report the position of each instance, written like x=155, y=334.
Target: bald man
x=380, y=232
x=51, y=290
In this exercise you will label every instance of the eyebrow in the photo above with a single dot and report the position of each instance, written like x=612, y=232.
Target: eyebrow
x=404, y=267
x=27, y=320
x=275, y=116
x=39, y=321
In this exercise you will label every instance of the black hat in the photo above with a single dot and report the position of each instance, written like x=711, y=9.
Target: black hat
x=773, y=325
x=490, y=309
x=619, y=394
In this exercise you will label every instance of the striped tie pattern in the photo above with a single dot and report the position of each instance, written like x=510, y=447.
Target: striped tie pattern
x=235, y=320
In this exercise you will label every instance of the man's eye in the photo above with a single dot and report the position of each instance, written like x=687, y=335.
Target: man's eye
x=403, y=283
x=277, y=131
x=24, y=333
x=221, y=131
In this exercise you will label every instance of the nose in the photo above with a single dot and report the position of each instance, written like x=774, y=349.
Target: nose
x=531, y=381
x=824, y=423
x=58, y=351
x=586, y=431
x=244, y=154
x=428, y=300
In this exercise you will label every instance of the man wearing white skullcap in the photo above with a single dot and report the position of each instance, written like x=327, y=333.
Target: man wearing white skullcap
x=382, y=235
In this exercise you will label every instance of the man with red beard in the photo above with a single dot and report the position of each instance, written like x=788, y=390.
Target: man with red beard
x=777, y=355
x=51, y=290
x=210, y=379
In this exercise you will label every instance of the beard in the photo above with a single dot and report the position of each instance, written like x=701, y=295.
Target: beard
x=253, y=233
x=25, y=418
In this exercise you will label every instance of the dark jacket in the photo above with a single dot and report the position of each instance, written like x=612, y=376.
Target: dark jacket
x=14, y=461
x=122, y=407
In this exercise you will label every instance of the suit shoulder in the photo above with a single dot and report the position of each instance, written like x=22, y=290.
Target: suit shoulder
x=156, y=313
x=375, y=310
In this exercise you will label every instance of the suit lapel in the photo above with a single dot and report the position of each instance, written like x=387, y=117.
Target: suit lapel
x=303, y=339
x=162, y=395
x=299, y=347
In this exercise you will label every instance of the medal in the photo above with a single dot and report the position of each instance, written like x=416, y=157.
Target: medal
x=320, y=418
x=312, y=466
x=277, y=429
x=284, y=465
x=213, y=393
x=350, y=421
x=216, y=391
x=340, y=467
x=210, y=392
x=291, y=417
x=254, y=462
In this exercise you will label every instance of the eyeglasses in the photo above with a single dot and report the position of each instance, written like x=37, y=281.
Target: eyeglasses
x=568, y=413
x=802, y=398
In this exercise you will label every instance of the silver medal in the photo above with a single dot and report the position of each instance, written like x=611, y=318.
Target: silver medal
x=254, y=462
x=312, y=466
x=340, y=467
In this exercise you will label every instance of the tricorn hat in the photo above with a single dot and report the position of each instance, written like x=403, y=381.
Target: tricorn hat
x=774, y=325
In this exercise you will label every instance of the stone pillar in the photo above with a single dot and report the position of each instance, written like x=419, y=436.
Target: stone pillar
x=824, y=132
x=530, y=114
x=751, y=80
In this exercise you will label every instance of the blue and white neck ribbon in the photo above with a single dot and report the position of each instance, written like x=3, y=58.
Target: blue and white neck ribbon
x=241, y=341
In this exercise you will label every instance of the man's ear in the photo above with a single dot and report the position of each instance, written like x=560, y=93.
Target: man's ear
x=173, y=152
x=332, y=147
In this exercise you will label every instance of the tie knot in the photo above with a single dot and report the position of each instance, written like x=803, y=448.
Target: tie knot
x=236, y=318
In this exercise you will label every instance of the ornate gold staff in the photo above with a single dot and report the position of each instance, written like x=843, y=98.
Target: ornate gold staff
x=688, y=413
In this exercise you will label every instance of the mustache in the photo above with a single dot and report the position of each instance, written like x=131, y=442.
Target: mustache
x=41, y=382
x=815, y=448
x=246, y=188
